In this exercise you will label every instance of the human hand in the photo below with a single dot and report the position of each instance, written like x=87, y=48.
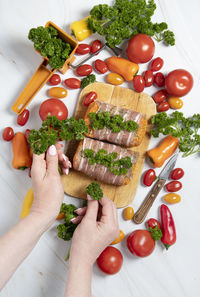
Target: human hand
x=47, y=187
x=92, y=236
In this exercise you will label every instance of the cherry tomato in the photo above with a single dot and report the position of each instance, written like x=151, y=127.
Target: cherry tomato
x=115, y=79
x=175, y=102
x=100, y=66
x=53, y=107
x=157, y=64
x=72, y=83
x=163, y=106
x=55, y=80
x=177, y=173
x=148, y=78
x=119, y=238
x=89, y=98
x=149, y=177
x=96, y=45
x=160, y=96
x=27, y=132
x=8, y=134
x=140, y=48
x=83, y=49
x=152, y=223
x=172, y=198
x=173, y=186
x=140, y=243
x=128, y=213
x=178, y=82
x=159, y=79
x=84, y=70
x=110, y=260
x=23, y=117
x=57, y=92
x=138, y=83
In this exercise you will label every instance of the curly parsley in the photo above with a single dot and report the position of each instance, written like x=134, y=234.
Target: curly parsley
x=94, y=190
x=91, y=78
x=66, y=230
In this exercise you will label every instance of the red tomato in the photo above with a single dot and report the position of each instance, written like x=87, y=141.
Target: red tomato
x=140, y=243
x=8, y=134
x=173, y=186
x=55, y=80
x=178, y=82
x=53, y=107
x=27, y=132
x=177, y=173
x=23, y=117
x=110, y=260
x=149, y=177
x=138, y=83
x=148, y=78
x=72, y=83
x=160, y=96
x=96, y=45
x=157, y=64
x=152, y=223
x=84, y=70
x=163, y=106
x=89, y=98
x=100, y=66
x=140, y=48
x=159, y=79
x=83, y=49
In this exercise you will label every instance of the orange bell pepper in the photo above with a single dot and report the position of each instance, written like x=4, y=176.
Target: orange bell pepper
x=21, y=155
x=123, y=67
x=165, y=150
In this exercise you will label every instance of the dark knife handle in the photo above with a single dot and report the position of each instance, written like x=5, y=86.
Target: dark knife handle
x=141, y=213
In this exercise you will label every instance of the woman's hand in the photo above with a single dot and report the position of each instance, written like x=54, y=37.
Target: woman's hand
x=47, y=187
x=92, y=236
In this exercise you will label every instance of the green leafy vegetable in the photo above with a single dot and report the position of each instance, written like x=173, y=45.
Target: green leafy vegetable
x=156, y=233
x=186, y=129
x=125, y=19
x=94, y=190
x=46, y=41
x=66, y=230
x=115, y=123
x=91, y=78
x=52, y=130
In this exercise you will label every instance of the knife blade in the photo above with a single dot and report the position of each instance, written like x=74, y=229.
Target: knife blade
x=143, y=210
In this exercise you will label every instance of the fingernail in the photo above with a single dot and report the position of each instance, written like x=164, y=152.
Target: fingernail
x=52, y=150
x=89, y=198
x=65, y=171
x=64, y=157
x=73, y=220
x=78, y=209
x=69, y=164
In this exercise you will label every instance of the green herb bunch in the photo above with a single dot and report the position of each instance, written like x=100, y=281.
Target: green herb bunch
x=115, y=123
x=52, y=130
x=125, y=19
x=66, y=230
x=91, y=78
x=186, y=129
x=94, y=190
x=102, y=157
x=46, y=41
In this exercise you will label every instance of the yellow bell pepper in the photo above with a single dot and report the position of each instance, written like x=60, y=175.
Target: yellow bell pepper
x=80, y=29
x=28, y=201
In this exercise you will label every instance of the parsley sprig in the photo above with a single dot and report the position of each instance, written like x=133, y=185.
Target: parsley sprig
x=66, y=230
x=127, y=18
x=186, y=129
x=94, y=190
x=52, y=130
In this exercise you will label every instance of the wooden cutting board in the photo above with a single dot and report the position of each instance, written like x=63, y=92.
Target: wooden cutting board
x=76, y=182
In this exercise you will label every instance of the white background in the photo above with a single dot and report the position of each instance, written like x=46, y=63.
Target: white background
x=44, y=272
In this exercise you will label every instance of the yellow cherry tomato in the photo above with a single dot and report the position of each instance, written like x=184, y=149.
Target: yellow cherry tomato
x=57, y=92
x=60, y=216
x=115, y=79
x=119, y=238
x=172, y=198
x=128, y=213
x=175, y=102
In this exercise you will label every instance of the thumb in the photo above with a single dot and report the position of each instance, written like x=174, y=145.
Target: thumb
x=52, y=160
x=92, y=209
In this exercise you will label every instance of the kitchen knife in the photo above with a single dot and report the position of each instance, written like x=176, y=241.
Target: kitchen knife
x=141, y=213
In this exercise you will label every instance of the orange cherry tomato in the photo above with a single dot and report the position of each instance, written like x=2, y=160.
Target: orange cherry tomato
x=57, y=92
x=60, y=216
x=175, y=102
x=119, y=238
x=128, y=213
x=172, y=198
x=115, y=79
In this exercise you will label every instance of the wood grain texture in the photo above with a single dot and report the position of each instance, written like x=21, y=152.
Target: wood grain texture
x=75, y=183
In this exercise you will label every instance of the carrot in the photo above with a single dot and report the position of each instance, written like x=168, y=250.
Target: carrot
x=21, y=155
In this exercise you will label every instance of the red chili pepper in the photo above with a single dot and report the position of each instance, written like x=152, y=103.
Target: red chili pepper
x=168, y=227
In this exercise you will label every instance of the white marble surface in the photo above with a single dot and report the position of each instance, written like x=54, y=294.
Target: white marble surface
x=163, y=274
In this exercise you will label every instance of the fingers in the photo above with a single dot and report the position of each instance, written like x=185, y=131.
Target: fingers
x=107, y=209
x=38, y=168
x=77, y=220
x=81, y=211
x=92, y=209
x=52, y=160
x=65, y=163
